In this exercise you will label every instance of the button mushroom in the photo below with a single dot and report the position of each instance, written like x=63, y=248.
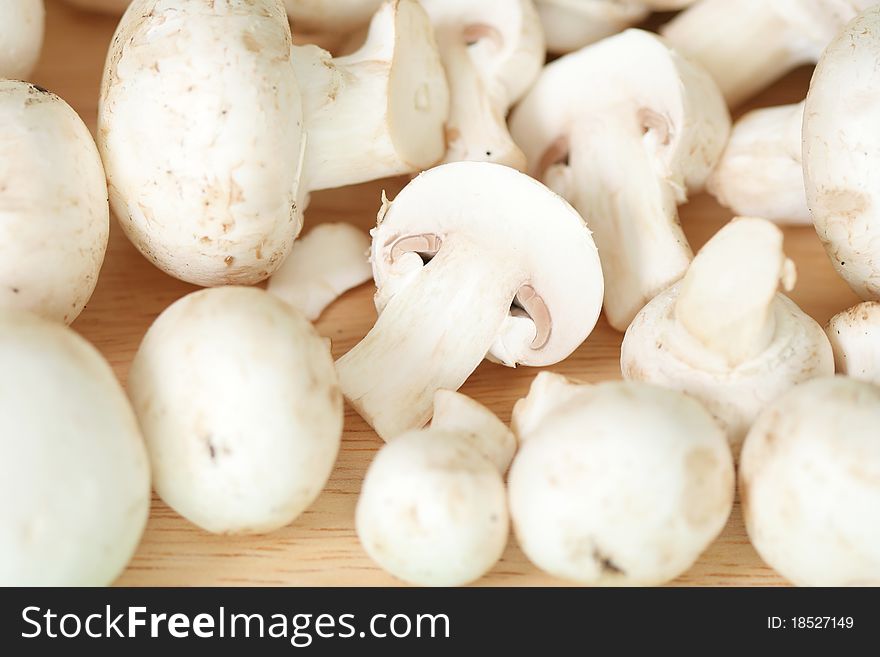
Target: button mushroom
x=625, y=149
x=54, y=218
x=616, y=483
x=433, y=507
x=336, y=15
x=842, y=153
x=855, y=339
x=74, y=475
x=748, y=44
x=459, y=245
x=761, y=172
x=724, y=334
x=21, y=37
x=213, y=127
x=492, y=52
x=240, y=407
x=810, y=484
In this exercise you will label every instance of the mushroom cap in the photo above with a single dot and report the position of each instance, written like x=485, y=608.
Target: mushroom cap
x=200, y=129
x=572, y=24
x=21, y=36
x=433, y=509
x=619, y=483
x=241, y=411
x=855, y=339
x=74, y=475
x=535, y=235
x=810, y=483
x=54, y=217
x=842, y=153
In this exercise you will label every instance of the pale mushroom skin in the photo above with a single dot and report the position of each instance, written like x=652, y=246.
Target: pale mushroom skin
x=74, y=476
x=746, y=45
x=842, y=153
x=617, y=483
x=333, y=15
x=328, y=261
x=22, y=23
x=855, y=339
x=54, y=217
x=474, y=223
x=810, y=484
x=761, y=172
x=724, y=334
x=433, y=506
x=626, y=150
x=240, y=408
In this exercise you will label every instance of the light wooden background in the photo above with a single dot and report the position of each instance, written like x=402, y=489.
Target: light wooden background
x=321, y=548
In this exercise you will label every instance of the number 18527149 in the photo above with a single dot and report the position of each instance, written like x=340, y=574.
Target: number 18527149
x=810, y=623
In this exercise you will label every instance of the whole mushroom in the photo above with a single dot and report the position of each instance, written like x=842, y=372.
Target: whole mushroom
x=54, y=217
x=21, y=37
x=855, y=340
x=467, y=255
x=724, y=334
x=240, y=407
x=625, y=149
x=433, y=507
x=810, y=483
x=842, y=153
x=74, y=475
x=619, y=483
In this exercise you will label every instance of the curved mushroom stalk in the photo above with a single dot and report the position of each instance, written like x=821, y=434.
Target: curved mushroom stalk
x=724, y=335
x=492, y=52
x=761, y=172
x=380, y=111
x=748, y=44
x=625, y=151
x=855, y=339
x=842, y=153
x=21, y=37
x=475, y=222
x=618, y=483
x=330, y=260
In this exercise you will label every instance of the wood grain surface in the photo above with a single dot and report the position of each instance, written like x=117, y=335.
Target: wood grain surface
x=321, y=548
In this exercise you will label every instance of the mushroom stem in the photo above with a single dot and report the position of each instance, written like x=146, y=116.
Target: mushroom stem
x=727, y=307
x=632, y=212
x=432, y=334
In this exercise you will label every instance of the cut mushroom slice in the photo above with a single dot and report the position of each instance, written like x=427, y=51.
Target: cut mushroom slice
x=748, y=44
x=724, y=334
x=625, y=150
x=842, y=153
x=21, y=37
x=499, y=231
x=492, y=52
x=330, y=260
x=761, y=173
x=617, y=483
x=855, y=339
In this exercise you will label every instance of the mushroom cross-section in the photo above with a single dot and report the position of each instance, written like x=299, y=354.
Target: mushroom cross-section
x=21, y=37
x=460, y=245
x=625, y=149
x=492, y=52
x=842, y=153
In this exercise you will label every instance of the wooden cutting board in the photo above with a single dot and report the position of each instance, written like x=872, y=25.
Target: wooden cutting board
x=321, y=547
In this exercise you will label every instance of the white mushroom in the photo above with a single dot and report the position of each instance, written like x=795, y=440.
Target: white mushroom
x=74, y=475
x=761, y=172
x=724, y=334
x=625, y=149
x=433, y=507
x=616, y=483
x=240, y=408
x=855, y=339
x=748, y=44
x=333, y=15
x=810, y=484
x=492, y=52
x=21, y=37
x=492, y=237
x=842, y=153
x=330, y=260
x=213, y=127
x=54, y=218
